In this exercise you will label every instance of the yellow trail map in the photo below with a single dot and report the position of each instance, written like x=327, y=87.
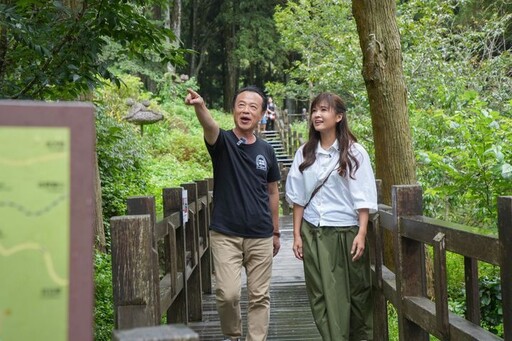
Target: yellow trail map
x=34, y=233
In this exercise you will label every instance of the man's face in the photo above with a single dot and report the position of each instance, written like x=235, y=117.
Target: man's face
x=247, y=111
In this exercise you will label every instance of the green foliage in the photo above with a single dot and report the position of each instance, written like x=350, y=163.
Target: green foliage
x=170, y=153
x=112, y=97
x=458, y=92
x=174, y=91
x=50, y=51
x=463, y=156
x=121, y=165
x=490, y=304
x=103, y=308
x=323, y=36
x=491, y=308
x=489, y=287
x=392, y=322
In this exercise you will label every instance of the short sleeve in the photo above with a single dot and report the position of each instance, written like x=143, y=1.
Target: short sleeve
x=295, y=193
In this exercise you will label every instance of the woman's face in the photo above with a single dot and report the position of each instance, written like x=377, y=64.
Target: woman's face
x=324, y=118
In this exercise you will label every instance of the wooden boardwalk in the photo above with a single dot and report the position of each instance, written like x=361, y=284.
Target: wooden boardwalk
x=290, y=315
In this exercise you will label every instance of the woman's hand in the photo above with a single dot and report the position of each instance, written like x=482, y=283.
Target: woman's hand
x=297, y=248
x=358, y=247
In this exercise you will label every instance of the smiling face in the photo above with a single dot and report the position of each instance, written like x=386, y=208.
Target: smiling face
x=247, y=111
x=324, y=118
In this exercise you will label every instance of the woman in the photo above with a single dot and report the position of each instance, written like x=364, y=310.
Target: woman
x=332, y=188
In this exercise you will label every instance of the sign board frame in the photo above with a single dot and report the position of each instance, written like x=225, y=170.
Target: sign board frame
x=79, y=118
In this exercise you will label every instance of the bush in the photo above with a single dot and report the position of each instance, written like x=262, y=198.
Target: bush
x=121, y=164
x=104, y=307
x=490, y=304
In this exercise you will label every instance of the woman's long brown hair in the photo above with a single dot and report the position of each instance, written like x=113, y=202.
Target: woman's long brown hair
x=343, y=135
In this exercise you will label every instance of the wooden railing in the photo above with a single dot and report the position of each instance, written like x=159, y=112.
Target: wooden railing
x=291, y=139
x=162, y=268
x=418, y=315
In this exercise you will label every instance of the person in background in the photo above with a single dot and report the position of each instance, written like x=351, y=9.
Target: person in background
x=263, y=122
x=271, y=114
x=304, y=114
x=332, y=187
x=245, y=218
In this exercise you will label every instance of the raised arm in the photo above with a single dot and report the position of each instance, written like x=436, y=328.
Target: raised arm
x=210, y=127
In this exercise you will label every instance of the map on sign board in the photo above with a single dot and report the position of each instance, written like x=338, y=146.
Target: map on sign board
x=34, y=232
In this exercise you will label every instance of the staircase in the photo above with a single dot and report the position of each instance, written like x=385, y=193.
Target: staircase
x=274, y=138
x=284, y=160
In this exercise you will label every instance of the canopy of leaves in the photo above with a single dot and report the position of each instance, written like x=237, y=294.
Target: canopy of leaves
x=51, y=51
x=457, y=64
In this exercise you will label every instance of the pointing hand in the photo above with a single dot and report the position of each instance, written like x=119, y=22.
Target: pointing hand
x=193, y=98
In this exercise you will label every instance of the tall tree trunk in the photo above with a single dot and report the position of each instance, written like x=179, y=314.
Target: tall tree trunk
x=99, y=229
x=383, y=75
x=230, y=72
x=173, y=21
x=193, y=38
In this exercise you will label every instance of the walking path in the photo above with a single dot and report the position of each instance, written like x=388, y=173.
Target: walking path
x=290, y=316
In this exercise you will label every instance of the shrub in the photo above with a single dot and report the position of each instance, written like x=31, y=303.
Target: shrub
x=103, y=308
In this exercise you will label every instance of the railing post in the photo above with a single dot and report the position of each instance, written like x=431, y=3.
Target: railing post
x=132, y=272
x=203, y=191
x=472, y=290
x=440, y=285
x=173, y=202
x=195, y=291
x=410, y=259
x=380, y=311
x=505, y=235
x=146, y=205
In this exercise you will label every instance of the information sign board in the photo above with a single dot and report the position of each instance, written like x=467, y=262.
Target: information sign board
x=46, y=220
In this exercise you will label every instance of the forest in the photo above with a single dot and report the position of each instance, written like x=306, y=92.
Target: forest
x=428, y=85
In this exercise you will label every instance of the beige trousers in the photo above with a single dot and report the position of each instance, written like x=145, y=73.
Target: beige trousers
x=230, y=255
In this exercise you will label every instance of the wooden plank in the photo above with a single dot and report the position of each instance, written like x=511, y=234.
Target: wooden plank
x=440, y=286
x=194, y=283
x=146, y=205
x=172, y=206
x=162, y=228
x=422, y=311
x=461, y=239
x=131, y=252
x=380, y=311
x=472, y=290
x=167, y=296
x=411, y=278
x=290, y=314
x=158, y=333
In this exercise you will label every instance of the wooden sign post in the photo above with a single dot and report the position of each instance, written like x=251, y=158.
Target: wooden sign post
x=46, y=220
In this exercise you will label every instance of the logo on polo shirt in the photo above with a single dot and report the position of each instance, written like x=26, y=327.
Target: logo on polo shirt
x=261, y=163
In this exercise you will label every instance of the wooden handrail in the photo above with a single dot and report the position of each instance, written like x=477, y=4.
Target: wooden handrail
x=163, y=268
x=418, y=315
x=143, y=248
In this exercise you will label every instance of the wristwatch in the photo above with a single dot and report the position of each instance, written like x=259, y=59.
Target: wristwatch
x=277, y=234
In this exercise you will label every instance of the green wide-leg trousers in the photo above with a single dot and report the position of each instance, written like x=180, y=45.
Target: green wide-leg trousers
x=339, y=289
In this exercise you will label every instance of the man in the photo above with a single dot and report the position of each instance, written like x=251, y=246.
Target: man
x=245, y=219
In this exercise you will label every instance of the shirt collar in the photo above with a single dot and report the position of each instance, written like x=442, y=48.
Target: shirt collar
x=332, y=149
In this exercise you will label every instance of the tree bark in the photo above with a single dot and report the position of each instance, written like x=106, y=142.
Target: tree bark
x=379, y=39
x=99, y=229
x=173, y=21
x=230, y=67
